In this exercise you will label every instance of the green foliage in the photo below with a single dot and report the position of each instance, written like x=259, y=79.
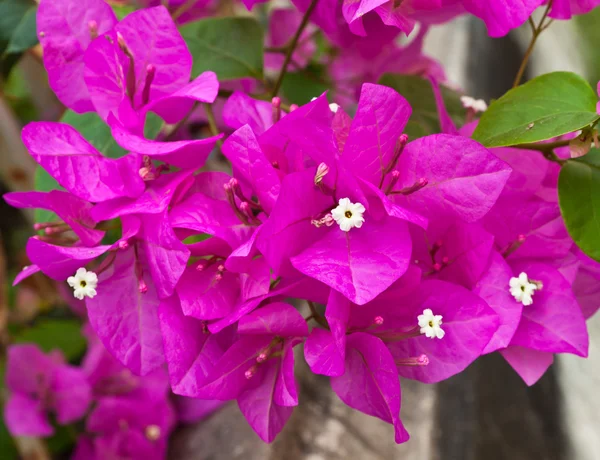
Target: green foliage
x=17, y=31
x=548, y=106
x=300, y=87
x=122, y=10
x=231, y=47
x=579, y=198
x=417, y=91
x=55, y=333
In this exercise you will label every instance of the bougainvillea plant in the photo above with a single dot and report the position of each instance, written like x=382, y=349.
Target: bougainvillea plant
x=341, y=228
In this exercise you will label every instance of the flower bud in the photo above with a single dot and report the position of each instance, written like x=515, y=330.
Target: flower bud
x=322, y=171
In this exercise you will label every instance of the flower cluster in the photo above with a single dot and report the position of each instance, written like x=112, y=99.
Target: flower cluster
x=403, y=257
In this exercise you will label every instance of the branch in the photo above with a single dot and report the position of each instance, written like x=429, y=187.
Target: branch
x=536, y=31
x=292, y=46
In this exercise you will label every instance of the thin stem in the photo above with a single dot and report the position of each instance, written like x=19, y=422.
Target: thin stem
x=292, y=47
x=316, y=315
x=212, y=124
x=182, y=9
x=536, y=31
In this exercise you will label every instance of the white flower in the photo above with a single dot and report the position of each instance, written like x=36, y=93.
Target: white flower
x=431, y=325
x=522, y=289
x=348, y=215
x=84, y=283
x=478, y=105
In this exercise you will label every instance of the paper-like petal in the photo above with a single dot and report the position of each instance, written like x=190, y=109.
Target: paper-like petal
x=539, y=221
x=172, y=108
x=288, y=230
x=183, y=154
x=276, y=319
x=264, y=416
x=468, y=248
x=190, y=351
x=554, y=322
x=380, y=119
x=73, y=210
x=322, y=353
x=155, y=199
x=360, y=263
x=60, y=262
x=167, y=256
x=24, y=416
x=153, y=39
x=248, y=160
x=227, y=379
x=493, y=288
x=203, y=296
x=241, y=109
x=464, y=178
x=125, y=319
x=337, y=314
x=286, y=390
x=78, y=166
x=501, y=16
x=26, y=272
x=64, y=33
x=72, y=394
x=469, y=324
x=370, y=383
x=529, y=364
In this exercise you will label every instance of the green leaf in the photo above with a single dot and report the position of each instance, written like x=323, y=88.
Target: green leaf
x=24, y=35
x=547, y=106
x=579, y=198
x=417, y=91
x=97, y=133
x=51, y=334
x=44, y=182
x=122, y=10
x=231, y=47
x=300, y=87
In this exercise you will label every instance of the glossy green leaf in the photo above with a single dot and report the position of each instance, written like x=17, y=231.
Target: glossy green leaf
x=547, y=106
x=579, y=198
x=232, y=47
x=417, y=91
x=24, y=35
x=51, y=334
x=300, y=87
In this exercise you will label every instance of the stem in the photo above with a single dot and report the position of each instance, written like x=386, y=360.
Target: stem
x=536, y=31
x=292, y=47
x=212, y=124
x=316, y=315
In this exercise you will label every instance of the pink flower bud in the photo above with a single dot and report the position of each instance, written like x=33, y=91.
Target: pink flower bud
x=123, y=244
x=93, y=28
x=378, y=320
x=250, y=372
x=142, y=286
x=262, y=357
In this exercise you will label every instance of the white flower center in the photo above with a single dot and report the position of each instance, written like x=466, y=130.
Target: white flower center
x=84, y=284
x=431, y=325
x=348, y=215
x=478, y=105
x=522, y=289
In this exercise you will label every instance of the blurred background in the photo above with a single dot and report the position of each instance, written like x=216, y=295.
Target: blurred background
x=486, y=412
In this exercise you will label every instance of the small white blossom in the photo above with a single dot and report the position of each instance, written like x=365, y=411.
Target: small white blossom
x=84, y=283
x=478, y=105
x=348, y=215
x=431, y=325
x=522, y=289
